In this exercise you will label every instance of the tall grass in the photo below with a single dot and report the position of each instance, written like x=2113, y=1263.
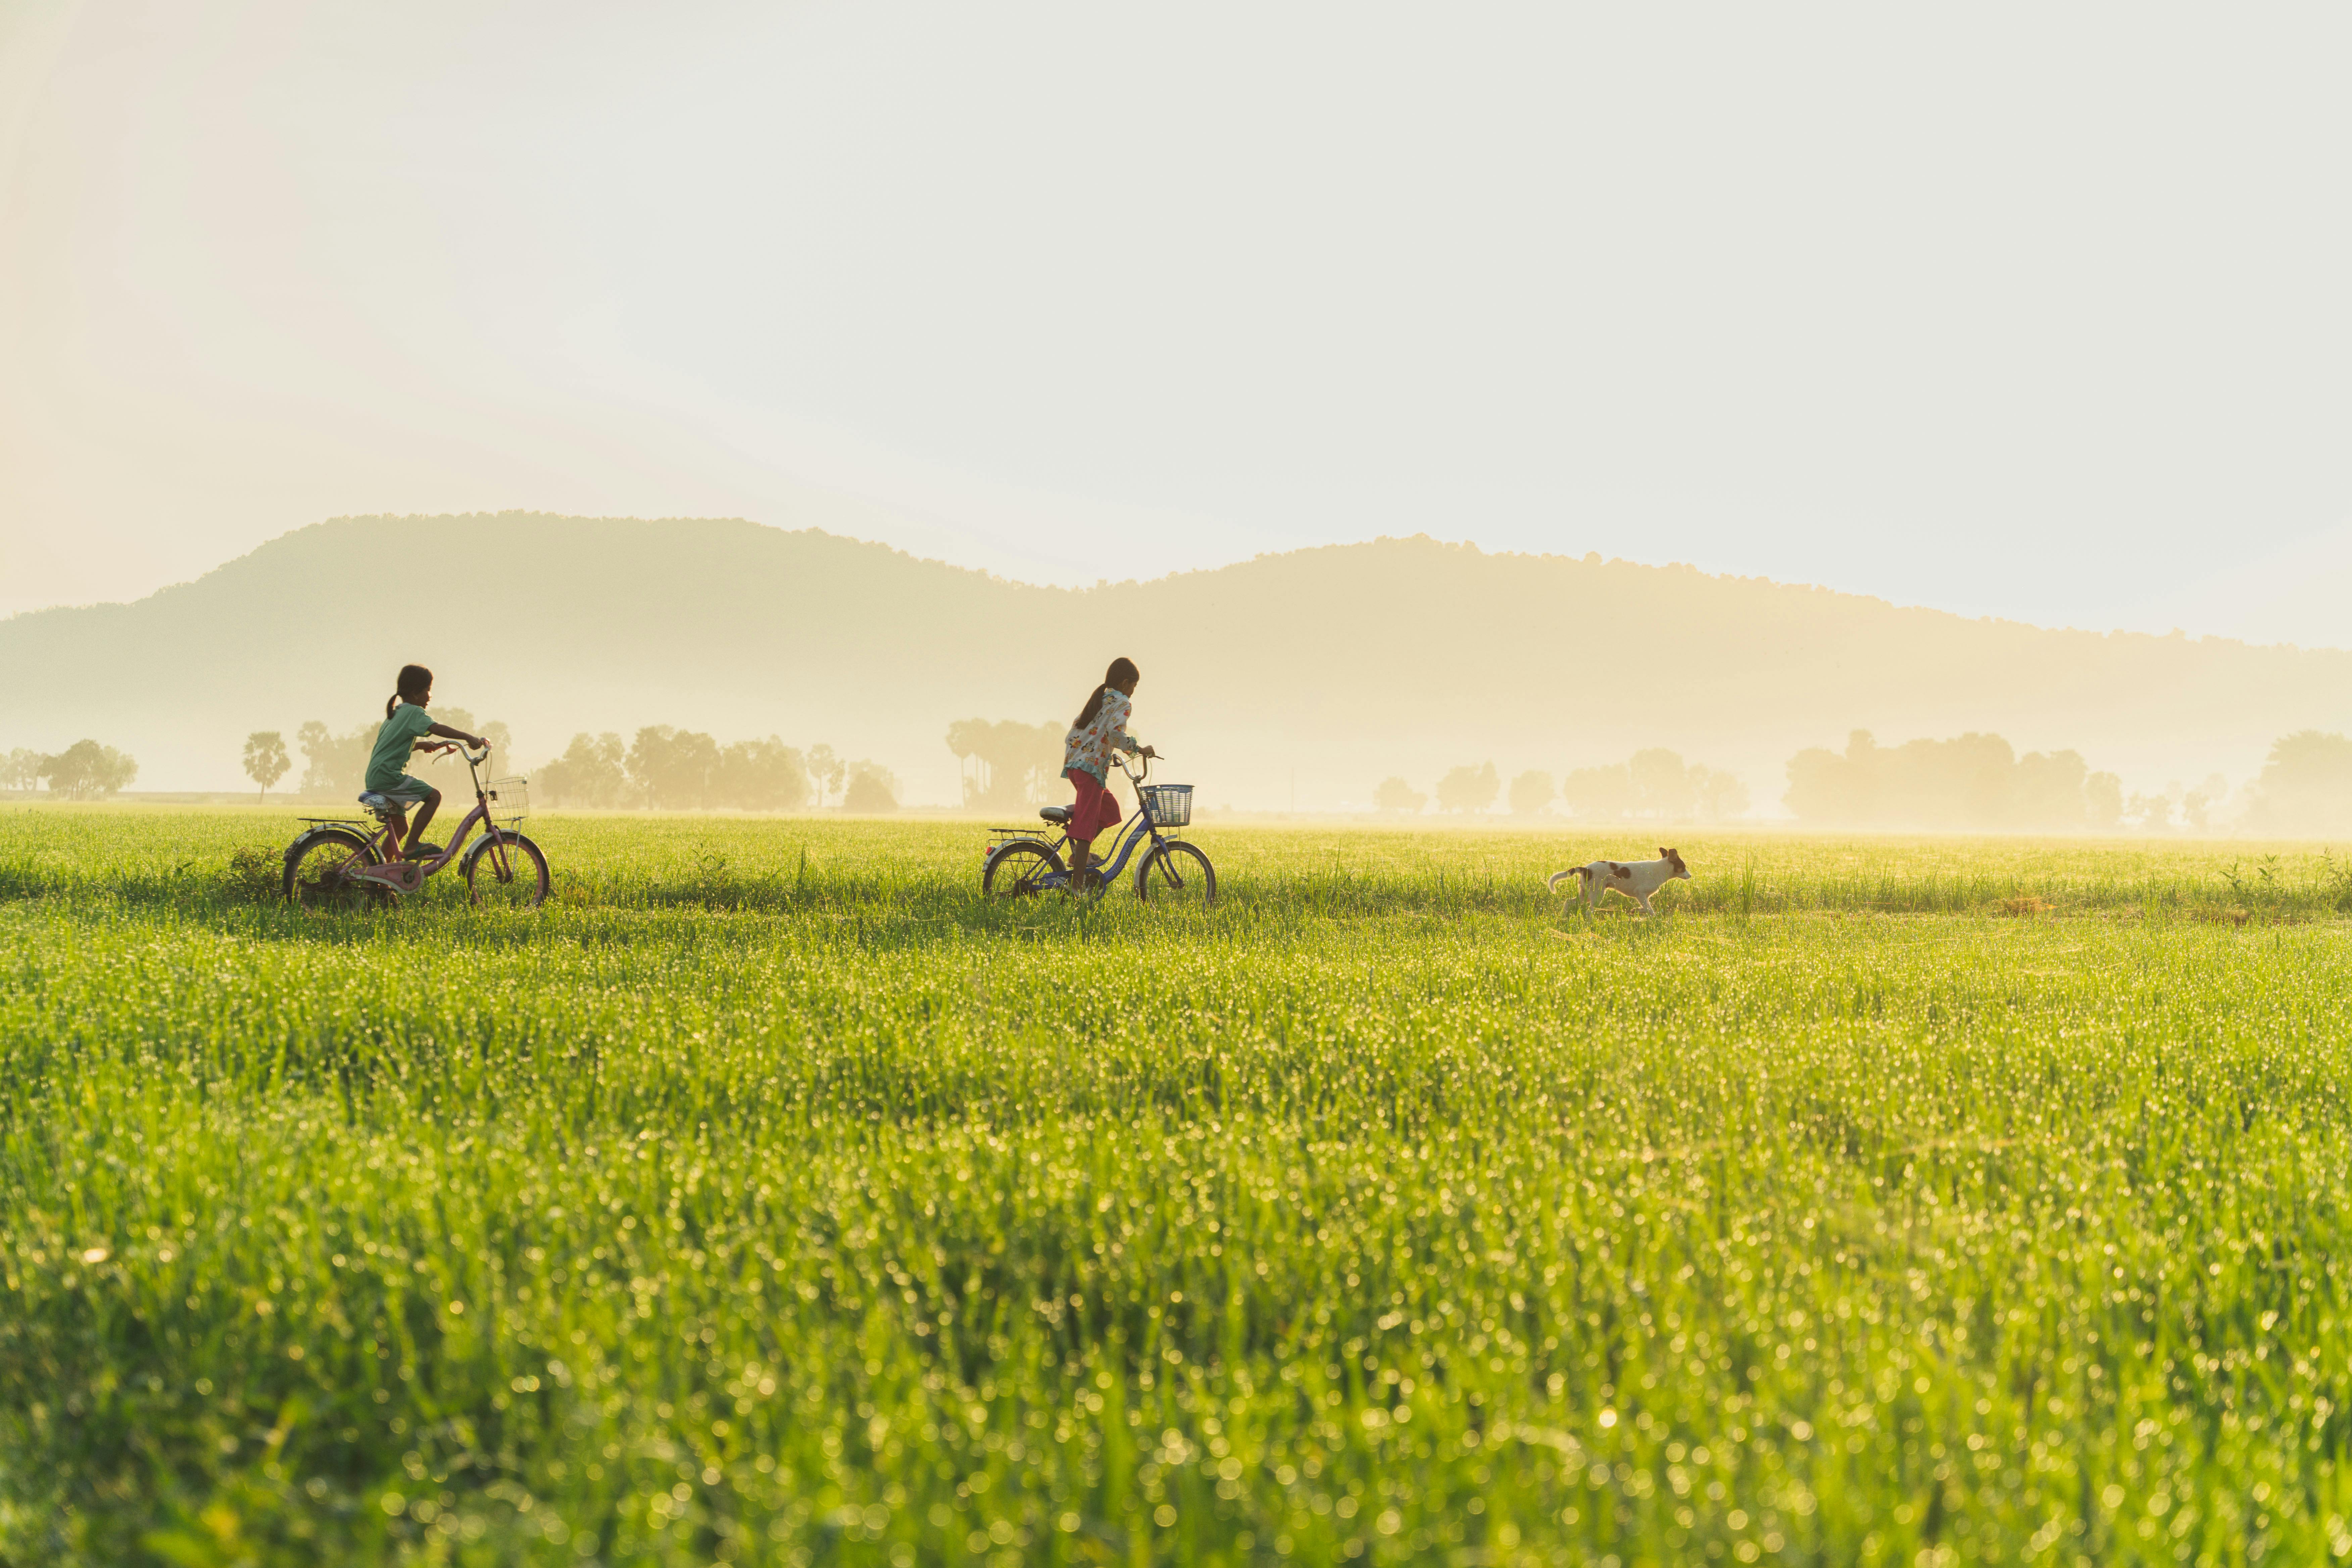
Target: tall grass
x=776, y=1200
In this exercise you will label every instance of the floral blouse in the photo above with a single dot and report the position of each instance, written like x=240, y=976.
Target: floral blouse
x=1090, y=746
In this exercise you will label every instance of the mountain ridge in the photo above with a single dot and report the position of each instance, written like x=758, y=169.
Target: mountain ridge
x=1344, y=662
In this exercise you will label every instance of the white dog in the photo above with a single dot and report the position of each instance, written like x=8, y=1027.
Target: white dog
x=1637, y=879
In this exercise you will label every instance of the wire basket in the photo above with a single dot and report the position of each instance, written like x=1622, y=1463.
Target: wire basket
x=509, y=801
x=1170, y=806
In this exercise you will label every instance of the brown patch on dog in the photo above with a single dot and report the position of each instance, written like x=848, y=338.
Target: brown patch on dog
x=1674, y=855
x=1617, y=871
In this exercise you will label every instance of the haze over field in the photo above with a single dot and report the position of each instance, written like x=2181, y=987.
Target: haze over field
x=2013, y=312
x=2007, y=308
x=1321, y=671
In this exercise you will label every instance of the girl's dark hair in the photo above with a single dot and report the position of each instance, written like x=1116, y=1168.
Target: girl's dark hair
x=1120, y=671
x=415, y=681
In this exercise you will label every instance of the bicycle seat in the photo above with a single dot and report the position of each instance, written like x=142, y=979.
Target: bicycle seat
x=1055, y=813
x=374, y=800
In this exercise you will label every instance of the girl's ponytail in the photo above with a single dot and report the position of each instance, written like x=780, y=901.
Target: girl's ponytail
x=1121, y=670
x=415, y=684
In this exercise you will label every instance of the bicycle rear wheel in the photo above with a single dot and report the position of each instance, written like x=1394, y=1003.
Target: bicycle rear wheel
x=319, y=873
x=1017, y=869
x=1177, y=875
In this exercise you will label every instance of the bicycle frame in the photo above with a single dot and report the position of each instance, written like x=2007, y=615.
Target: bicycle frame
x=1108, y=871
x=408, y=876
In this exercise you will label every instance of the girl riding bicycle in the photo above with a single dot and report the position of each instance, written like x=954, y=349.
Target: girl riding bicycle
x=405, y=725
x=1101, y=728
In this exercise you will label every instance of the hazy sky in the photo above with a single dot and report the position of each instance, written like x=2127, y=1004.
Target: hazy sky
x=2037, y=310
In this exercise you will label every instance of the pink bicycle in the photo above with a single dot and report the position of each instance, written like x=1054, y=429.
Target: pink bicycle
x=340, y=863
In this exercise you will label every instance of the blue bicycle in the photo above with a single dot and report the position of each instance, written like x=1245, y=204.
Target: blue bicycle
x=1172, y=871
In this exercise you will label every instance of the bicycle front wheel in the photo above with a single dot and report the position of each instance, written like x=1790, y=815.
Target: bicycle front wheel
x=1177, y=875
x=505, y=871
x=1017, y=871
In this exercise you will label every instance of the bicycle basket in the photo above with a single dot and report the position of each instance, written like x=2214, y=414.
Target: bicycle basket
x=510, y=800
x=1170, y=806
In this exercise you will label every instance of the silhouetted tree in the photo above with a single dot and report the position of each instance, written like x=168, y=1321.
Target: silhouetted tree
x=1467, y=788
x=1666, y=787
x=1007, y=764
x=826, y=770
x=266, y=761
x=1720, y=796
x=1971, y=781
x=672, y=768
x=1530, y=792
x=1395, y=795
x=494, y=731
x=1599, y=793
x=1662, y=785
x=331, y=764
x=2048, y=790
x=592, y=772
x=761, y=775
x=87, y=771
x=2197, y=806
x=873, y=789
x=2103, y=799
x=2305, y=784
x=21, y=769
x=1655, y=782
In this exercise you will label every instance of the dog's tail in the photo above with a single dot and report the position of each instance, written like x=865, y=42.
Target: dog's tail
x=1556, y=878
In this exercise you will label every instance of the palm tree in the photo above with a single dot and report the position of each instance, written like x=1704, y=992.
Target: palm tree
x=266, y=761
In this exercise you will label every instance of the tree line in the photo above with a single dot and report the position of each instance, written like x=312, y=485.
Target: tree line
x=2306, y=786
x=668, y=769
x=1978, y=781
x=86, y=769
x=661, y=768
x=335, y=764
x=1655, y=782
x=1007, y=764
x=1971, y=781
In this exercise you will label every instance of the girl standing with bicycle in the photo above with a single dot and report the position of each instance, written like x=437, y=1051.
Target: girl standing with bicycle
x=1101, y=729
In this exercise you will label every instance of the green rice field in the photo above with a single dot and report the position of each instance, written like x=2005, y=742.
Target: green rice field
x=771, y=1198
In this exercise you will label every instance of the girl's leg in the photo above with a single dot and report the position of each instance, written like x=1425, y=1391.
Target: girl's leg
x=1080, y=851
x=395, y=823
x=424, y=814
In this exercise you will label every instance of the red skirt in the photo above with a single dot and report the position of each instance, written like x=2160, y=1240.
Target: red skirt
x=1095, y=809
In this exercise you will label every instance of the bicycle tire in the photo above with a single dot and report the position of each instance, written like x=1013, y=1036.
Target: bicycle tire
x=523, y=887
x=1184, y=877
x=312, y=865
x=1012, y=870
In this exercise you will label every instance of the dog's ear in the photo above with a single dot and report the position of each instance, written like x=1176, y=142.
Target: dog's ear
x=1664, y=853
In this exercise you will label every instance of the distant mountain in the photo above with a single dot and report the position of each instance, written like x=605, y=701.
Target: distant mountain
x=1322, y=670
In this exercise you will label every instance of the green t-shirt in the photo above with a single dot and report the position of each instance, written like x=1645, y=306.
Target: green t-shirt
x=388, y=764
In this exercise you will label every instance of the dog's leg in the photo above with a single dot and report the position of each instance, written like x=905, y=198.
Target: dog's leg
x=1643, y=900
